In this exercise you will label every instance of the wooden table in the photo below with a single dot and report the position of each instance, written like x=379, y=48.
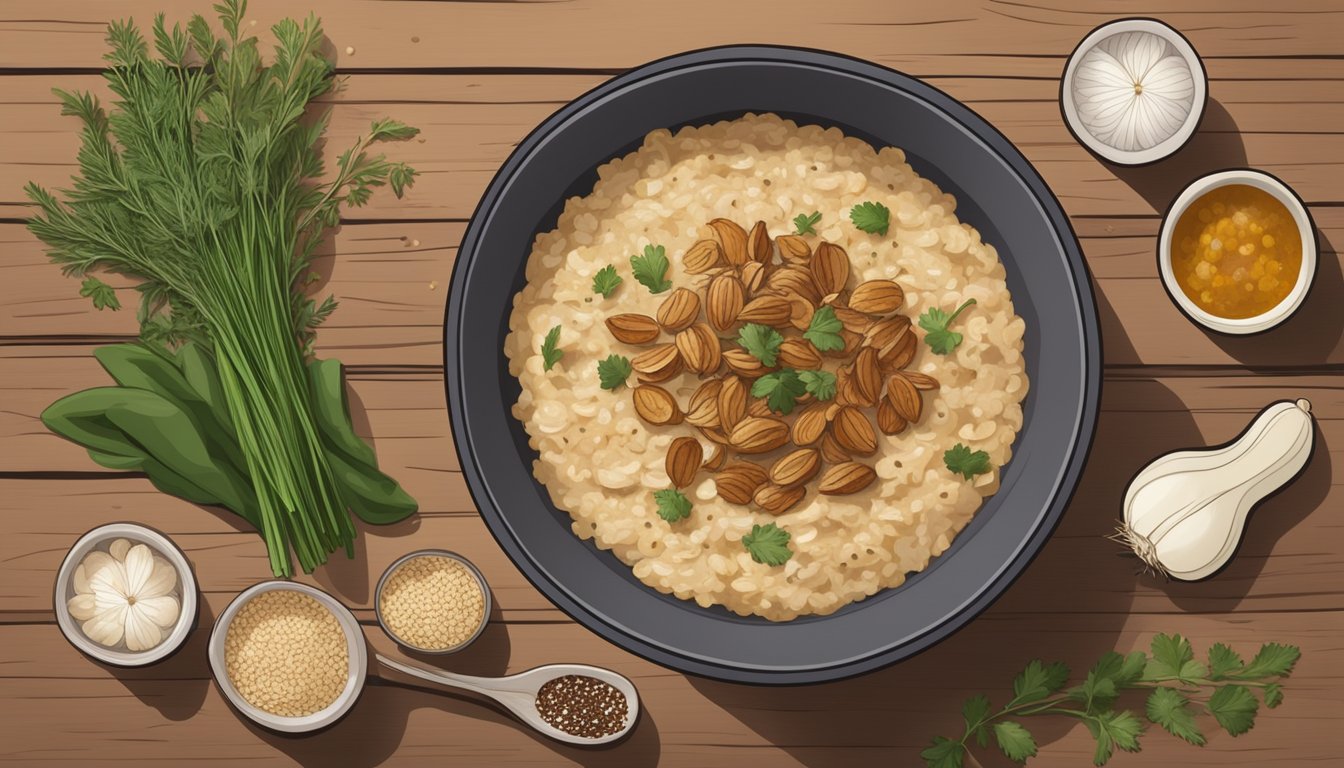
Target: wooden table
x=475, y=77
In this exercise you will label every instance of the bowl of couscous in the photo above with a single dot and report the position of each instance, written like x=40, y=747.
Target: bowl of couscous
x=290, y=657
x=432, y=601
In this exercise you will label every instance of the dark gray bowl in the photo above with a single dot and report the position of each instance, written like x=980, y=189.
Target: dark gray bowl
x=997, y=192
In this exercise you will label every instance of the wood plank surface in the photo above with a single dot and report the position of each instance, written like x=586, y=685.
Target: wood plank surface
x=476, y=76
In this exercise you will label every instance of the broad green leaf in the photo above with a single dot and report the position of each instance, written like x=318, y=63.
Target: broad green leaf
x=1273, y=660
x=1170, y=709
x=1015, y=741
x=1038, y=681
x=944, y=753
x=1111, y=730
x=1169, y=654
x=1234, y=707
x=1223, y=661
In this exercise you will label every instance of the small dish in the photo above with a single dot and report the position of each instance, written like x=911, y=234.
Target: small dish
x=356, y=653
x=1305, y=227
x=1112, y=48
x=100, y=539
x=403, y=560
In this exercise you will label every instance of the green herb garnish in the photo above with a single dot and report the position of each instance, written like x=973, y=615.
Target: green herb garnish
x=672, y=504
x=873, y=218
x=780, y=389
x=613, y=371
x=935, y=321
x=824, y=330
x=550, y=355
x=804, y=222
x=1179, y=687
x=101, y=293
x=761, y=342
x=820, y=384
x=606, y=280
x=651, y=269
x=768, y=544
x=961, y=460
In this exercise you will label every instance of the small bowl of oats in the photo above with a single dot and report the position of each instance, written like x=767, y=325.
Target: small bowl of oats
x=290, y=657
x=432, y=601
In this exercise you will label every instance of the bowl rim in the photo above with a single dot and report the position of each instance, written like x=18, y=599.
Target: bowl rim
x=356, y=653
x=1163, y=149
x=400, y=561
x=158, y=541
x=1306, y=228
x=1063, y=480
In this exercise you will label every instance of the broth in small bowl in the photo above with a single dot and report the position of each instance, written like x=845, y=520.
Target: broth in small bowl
x=1237, y=252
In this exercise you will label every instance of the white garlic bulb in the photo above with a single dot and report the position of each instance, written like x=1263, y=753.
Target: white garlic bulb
x=125, y=594
x=1186, y=511
x=1133, y=91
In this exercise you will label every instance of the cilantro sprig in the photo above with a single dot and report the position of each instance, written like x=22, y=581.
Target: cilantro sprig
x=613, y=371
x=761, y=342
x=824, y=330
x=961, y=460
x=804, y=222
x=606, y=281
x=550, y=353
x=102, y=294
x=820, y=384
x=873, y=218
x=768, y=544
x=1179, y=687
x=781, y=389
x=672, y=504
x=936, y=321
x=650, y=268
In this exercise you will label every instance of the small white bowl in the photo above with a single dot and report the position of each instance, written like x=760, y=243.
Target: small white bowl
x=471, y=568
x=1279, y=312
x=100, y=538
x=1163, y=148
x=356, y=651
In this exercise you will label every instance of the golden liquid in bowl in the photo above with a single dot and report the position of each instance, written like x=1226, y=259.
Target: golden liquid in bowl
x=1236, y=251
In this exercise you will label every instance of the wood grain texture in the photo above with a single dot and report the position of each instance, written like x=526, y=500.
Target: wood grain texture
x=476, y=76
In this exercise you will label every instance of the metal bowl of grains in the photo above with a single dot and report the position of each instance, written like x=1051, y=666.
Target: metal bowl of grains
x=290, y=657
x=432, y=601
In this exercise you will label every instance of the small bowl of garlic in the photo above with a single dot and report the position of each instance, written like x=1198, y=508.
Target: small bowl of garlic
x=125, y=595
x=1133, y=91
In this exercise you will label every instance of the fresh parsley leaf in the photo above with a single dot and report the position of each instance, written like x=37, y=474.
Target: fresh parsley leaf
x=768, y=544
x=824, y=330
x=606, y=280
x=1038, y=681
x=613, y=371
x=1234, y=707
x=780, y=389
x=873, y=218
x=104, y=297
x=1114, y=729
x=1015, y=741
x=651, y=269
x=550, y=354
x=805, y=221
x=388, y=129
x=1273, y=660
x=935, y=321
x=1097, y=693
x=974, y=712
x=961, y=460
x=1170, y=709
x=1273, y=695
x=944, y=753
x=761, y=341
x=821, y=384
x=1223, y=662
x=1173, y=658
x=672, y=504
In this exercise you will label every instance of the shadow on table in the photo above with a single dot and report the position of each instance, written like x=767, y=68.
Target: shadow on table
x=1069, y=605
x=175, y=686
x=1216, y=146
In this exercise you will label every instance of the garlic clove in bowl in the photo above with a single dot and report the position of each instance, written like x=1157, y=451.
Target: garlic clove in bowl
x=1133, y=91
x=1185, y=513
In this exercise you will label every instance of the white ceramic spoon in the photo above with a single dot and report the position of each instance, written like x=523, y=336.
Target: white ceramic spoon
x=518, y=693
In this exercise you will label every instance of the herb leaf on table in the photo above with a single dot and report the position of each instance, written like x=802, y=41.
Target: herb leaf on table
x=1178, y=688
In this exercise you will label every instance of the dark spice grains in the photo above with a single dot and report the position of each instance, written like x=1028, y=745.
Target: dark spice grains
x=582, y=706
